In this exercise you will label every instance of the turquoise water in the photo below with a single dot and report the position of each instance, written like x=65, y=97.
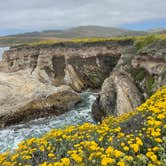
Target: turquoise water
x=10, y=137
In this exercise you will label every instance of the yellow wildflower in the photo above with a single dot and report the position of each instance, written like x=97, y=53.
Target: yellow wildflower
x=107, y=161
x=126, y=148
x=121, y=163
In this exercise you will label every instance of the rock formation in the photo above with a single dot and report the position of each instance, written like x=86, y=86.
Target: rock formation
x=118, y=95
x=38, y=81
x=81, y=66
x=136, y=76
x=23, y=97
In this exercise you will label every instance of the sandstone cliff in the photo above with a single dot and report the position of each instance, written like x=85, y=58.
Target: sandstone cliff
x=136, y=76
x=80, y=65
x=37, y=81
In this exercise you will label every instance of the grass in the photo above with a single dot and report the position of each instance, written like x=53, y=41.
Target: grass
x=138, y=74
x=149, y=84
x=139, y=41
x=74, y=41
x=135, y=138
x=143, y=41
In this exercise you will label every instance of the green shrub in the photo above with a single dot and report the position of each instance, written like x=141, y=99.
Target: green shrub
x=140, y=76
x=149, y=85
x=140, y=43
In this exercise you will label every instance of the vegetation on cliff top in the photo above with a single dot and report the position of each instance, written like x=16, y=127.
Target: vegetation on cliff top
x=135, y=138
x=143, y=41
x=74, y=41
x=139, y=41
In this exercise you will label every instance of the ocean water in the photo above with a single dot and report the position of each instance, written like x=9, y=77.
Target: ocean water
x=2, y=49
x=10, y=137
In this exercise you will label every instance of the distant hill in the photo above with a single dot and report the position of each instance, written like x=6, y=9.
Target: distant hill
x=84, y=31
x=157, y=31
x=161, y=32
x=77, y=32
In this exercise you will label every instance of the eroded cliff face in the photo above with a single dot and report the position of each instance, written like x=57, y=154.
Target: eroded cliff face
x=136, y=76
x=39, y=81
x=149, y=68
x=131, y=76
x=118, y=95
x=79, y=65
x=20, y=59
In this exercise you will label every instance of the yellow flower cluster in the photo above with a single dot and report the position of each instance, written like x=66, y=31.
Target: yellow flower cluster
x=135, y=138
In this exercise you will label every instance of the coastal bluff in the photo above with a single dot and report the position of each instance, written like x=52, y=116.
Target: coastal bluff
x=43, y=80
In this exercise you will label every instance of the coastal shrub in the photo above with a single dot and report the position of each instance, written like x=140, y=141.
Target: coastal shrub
x=76, y=40
x=149, y=84
x=140, y=43
x=143, y=78
x=138, y=74
x=135, y=138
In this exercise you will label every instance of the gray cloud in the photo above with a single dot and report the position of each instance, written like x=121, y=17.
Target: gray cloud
x=44, y=14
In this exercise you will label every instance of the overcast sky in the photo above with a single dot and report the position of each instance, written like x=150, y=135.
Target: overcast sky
x=29, y=15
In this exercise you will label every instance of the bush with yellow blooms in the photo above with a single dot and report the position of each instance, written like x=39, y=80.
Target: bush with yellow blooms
x=135, y=138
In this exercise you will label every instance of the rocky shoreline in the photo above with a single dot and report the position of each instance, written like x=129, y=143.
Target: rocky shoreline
x=38, y=81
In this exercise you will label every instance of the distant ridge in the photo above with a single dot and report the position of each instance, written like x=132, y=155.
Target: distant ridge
x=76, y=32
x=84, y=31
x=160, y=32
x=157, y=30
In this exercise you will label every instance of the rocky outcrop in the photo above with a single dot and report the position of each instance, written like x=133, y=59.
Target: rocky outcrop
x=23, y=97
x=80, y=65
x=71, y=78
x=21, y=59
x=154, y=66
x=37, y=81
x=118, y=95
x=91, y=71
x=149, y=67
x=136, y=76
